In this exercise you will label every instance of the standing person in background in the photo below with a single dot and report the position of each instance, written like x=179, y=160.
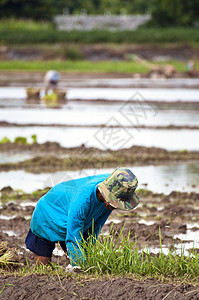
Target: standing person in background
x=51, y=80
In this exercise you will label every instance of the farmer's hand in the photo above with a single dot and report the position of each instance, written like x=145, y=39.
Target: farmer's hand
x=71, y=269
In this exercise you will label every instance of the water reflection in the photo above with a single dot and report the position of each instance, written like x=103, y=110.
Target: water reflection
x=151, y=94
x=101, y=138
x=159, y=179
x=85, y=114
x=15, y=157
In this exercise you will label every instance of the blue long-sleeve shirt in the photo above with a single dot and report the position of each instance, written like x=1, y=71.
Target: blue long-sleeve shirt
x=68, y=211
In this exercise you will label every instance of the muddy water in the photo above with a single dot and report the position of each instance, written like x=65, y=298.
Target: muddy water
x=104, y=138
x=15, y=157
x=125, y=94
x=86, y=114
x=159, y=179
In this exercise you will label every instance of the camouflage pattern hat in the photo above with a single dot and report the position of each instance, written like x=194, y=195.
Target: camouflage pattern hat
x=119, y=189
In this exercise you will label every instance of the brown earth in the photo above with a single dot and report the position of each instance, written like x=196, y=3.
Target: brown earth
x=51, y=157
x=97, y=52
x=169, y=213
x=35, y=79
x=35, y=287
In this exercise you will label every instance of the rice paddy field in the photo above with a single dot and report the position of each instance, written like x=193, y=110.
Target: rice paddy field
x=149, y=125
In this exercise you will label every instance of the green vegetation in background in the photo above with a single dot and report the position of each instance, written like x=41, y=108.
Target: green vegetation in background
x=46, y=9
x=74, y=66
x=86, y=66
x=167, y=13
x=48, y=34
x=21, y=24
x=20, y=140
x=164, y=13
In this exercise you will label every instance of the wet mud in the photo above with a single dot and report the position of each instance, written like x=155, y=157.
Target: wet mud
x=97, y=52
x=43, y=287
x=169, y=214
x=51, y=157
x=35, y=79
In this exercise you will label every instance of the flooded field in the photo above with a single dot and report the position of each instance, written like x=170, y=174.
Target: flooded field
x=155, y=135
x=115, y=94
x=182, y=177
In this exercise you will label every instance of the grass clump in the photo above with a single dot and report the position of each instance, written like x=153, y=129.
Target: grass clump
x=117, y=255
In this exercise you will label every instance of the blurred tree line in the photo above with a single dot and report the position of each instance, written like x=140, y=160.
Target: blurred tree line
x=164, y=12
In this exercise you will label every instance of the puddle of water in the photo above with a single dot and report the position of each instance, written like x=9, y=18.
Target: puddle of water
x=189, y=240
x=4, y=217
x=10, y=232
x=12, y=93
x=180, y=249
x=58, y=252
x=189, y=236
x=148, y=223
x=138, y=82
x=158, y=94
x=109, y=138
x=15, y=157
x=156, y=250
x=12, y=102
x=30, y=203
x=160, y=179
x=98, y=114
x=113, y=220
x=22, y=180
x=193, y=225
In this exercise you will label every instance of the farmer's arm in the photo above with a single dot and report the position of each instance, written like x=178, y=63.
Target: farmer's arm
x=97, y=226
x=75, y=229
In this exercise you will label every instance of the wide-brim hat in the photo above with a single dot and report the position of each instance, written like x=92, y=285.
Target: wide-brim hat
x=119, y=189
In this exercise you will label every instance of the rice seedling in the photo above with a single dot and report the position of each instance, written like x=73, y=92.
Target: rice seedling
x=8, y=257
x=117, y=255
x=6, y=284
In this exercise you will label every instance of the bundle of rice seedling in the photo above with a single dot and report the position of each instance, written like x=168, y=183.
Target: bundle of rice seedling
x=33, y=93
x=8, y=256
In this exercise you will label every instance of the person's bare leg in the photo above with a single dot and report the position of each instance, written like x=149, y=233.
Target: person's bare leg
x=42, y=260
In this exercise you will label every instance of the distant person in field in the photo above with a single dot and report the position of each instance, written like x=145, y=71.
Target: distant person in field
x=190, y=68
x=51, y=80
x=78, y=208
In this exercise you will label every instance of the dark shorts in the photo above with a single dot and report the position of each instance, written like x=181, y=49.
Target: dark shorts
x=41, y=246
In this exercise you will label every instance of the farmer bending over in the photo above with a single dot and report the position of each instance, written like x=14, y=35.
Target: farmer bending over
x=77, y=208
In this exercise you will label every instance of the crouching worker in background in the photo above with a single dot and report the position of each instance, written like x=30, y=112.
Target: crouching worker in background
x=76, y=208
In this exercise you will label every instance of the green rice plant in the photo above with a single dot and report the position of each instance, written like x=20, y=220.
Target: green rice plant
x=50, y=99
x=5, y=140
x=34, y=138
x=20, y=140
x=6, y=284
x=117, y=255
